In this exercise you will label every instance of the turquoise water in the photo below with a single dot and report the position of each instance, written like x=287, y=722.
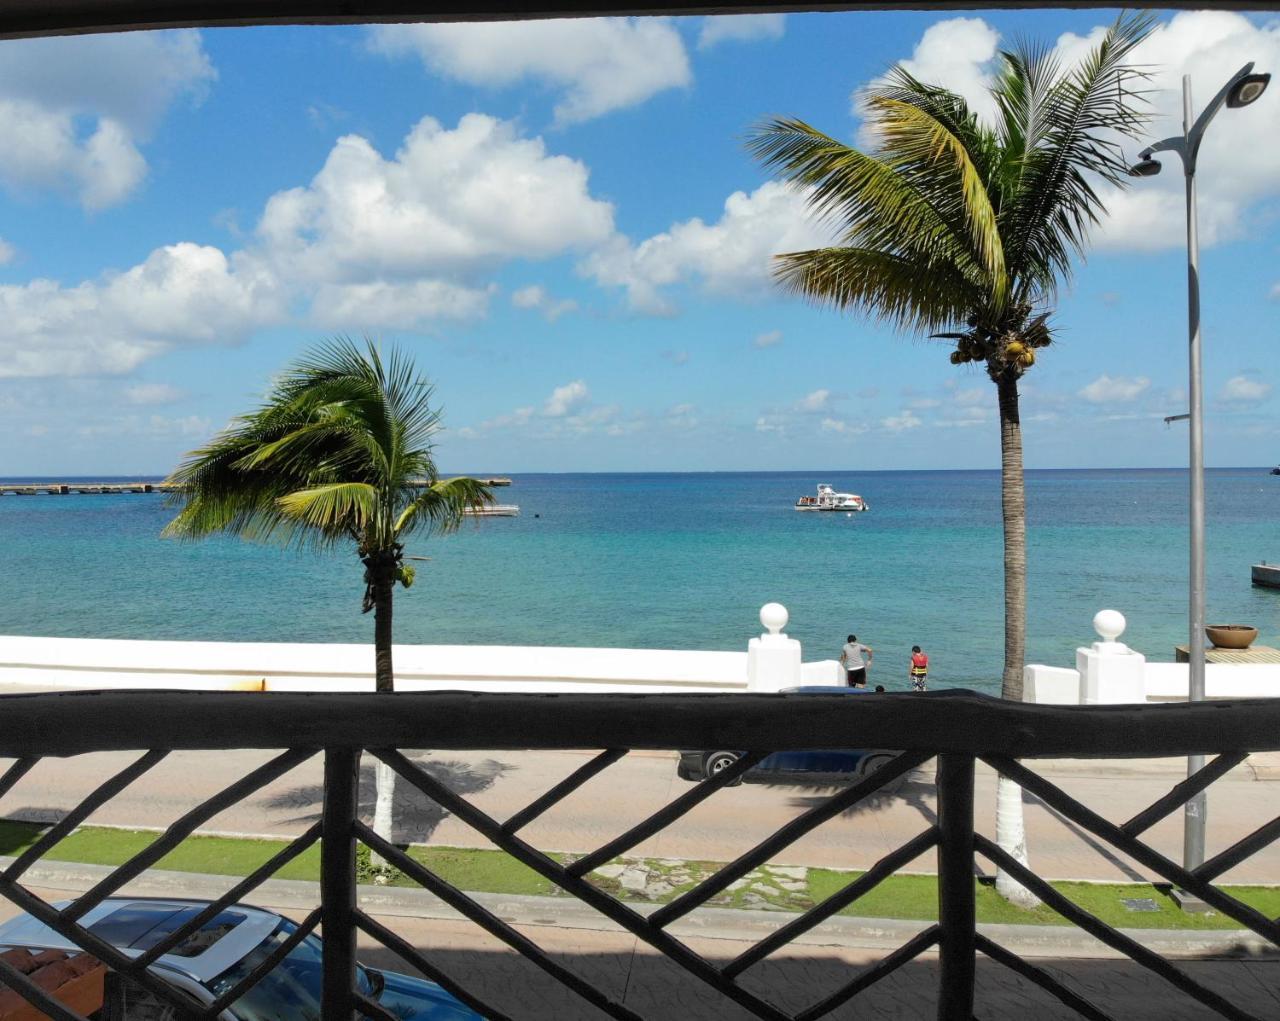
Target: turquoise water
x=683, y=561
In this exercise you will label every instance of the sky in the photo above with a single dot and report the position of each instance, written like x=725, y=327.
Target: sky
x=560, y=222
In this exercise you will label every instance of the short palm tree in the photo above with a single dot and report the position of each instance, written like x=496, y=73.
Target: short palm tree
x=962, y=229
x=340, y=453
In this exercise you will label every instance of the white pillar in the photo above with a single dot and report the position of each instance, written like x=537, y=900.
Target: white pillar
x=773, y=659
x=1110, y=671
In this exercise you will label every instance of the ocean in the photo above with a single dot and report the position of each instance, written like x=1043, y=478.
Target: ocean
x=684, y=561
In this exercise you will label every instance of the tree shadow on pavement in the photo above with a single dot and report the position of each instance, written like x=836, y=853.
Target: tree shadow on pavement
x=795, y=978
x=414, y=815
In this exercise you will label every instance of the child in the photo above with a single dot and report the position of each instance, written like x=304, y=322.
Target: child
x=919, y=669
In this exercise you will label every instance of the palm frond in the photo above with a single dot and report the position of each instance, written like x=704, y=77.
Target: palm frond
x=441, y=505
x=345, y=508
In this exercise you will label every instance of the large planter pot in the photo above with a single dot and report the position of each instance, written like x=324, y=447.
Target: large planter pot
x=1231, y=636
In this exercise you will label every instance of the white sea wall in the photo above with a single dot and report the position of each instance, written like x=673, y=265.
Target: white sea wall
x=84, y=663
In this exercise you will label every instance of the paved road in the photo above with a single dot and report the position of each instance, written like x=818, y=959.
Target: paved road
x=629, y=972
x=719, y=829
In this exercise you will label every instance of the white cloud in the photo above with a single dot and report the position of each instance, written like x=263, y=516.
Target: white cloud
x=818, y=400
x=740, y=28
x=346, y=308
x=770, y=424
x=1243, y=390
x=925, y=403
x=676, y=357
x=774, y=337
x=82, y=106
x=901, y=422
x=182, y=295
x=566, y=399
x=1113, y=389
x=838, y=425
x=449, y=200
x=600, y=64
x=1209, y=45
x=7, y=252
x=1275, y=291
x=957, y=53
x=536, y=297
x=153, y=393
x=732, y=256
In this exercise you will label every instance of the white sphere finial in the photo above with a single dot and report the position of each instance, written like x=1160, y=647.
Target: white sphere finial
x=774, y=617
x=1109, y=624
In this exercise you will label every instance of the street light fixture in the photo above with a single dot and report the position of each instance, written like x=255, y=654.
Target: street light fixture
x=1244, y=88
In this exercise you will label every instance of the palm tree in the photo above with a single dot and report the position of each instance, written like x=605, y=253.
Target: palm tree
x=340, y=452
x=962, y=229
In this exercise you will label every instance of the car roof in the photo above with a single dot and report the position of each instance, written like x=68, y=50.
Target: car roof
x=824, y=689
x=127, y=922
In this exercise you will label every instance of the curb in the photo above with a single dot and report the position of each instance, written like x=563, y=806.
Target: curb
x=707, y=923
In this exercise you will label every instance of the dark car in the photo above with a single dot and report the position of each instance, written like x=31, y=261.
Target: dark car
x=816, y=765
x=215, y=958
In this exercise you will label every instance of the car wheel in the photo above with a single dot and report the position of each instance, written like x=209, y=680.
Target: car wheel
x=872, y=761
x=717, y=762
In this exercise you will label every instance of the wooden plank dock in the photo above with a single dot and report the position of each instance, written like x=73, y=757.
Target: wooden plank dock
x=1253, y=654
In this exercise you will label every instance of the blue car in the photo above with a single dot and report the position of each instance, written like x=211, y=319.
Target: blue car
x=815, y=765
x=216, y=957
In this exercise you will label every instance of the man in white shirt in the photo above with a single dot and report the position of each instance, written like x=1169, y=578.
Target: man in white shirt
x=855, y=667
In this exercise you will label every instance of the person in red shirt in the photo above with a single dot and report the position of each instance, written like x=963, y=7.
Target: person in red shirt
x=919, y=669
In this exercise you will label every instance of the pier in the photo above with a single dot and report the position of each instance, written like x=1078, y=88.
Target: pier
x=1266, y=575
x=108, y=488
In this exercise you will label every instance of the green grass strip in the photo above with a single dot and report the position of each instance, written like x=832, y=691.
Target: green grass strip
x=493, y=871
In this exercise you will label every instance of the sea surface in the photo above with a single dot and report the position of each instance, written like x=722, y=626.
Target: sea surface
x=683, y=561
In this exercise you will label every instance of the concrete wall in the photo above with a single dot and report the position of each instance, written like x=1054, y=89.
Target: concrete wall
x=109, y=663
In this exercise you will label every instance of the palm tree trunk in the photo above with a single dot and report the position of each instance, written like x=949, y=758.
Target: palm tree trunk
x=385, y=682
x=1011, y=832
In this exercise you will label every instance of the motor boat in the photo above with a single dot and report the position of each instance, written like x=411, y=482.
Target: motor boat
x=829, y=500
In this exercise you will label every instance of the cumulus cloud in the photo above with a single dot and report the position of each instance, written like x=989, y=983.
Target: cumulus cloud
x=536, y=297
x=1244, y=390
x=598, y=64
x=818, y=400
x=401, y=306
x=901, y=422
x=7, y=252
x=450, y=199
x=1112, y=389
x=566, y=399
x=740, y=28
x=732, y=256
x=771, y=424
x=82, y=107
x=183, y=294
x=774, y=337
x=1209, y=45
x=844, y=428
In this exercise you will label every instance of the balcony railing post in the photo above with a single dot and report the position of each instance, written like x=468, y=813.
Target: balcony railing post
x=956, y=909
x=338, y=882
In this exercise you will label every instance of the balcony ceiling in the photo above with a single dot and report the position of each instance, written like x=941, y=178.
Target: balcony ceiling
x=23, y=18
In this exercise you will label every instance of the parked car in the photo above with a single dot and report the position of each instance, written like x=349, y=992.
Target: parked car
x=815, y=765
x=208, y=963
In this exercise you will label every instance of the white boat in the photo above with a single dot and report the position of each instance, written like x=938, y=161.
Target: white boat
x=829, y=500
x=493, y=510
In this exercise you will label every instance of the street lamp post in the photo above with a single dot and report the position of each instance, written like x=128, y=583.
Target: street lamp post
x=1243, y=88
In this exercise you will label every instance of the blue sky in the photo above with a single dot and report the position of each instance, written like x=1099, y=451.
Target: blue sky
x=560, y=222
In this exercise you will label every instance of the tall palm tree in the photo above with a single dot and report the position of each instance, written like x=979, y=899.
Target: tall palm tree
x=962, y=229
x=339, y=453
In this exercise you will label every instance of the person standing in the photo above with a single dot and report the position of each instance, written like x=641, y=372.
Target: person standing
x=919, y=669
x=855, y=667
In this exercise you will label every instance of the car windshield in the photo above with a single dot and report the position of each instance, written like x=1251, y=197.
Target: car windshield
x=291, y=990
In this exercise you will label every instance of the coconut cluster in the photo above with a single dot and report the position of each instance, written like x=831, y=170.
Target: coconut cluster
x=1009, y=344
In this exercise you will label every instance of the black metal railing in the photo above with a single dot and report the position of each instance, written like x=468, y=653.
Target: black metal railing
x=959, y=728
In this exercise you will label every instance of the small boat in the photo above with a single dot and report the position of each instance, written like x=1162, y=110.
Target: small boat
x=1276, y=470
x=493, y=510
x=829, y=500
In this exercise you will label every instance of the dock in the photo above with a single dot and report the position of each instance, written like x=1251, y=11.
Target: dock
x=110, y=488
x=1266, y=575
x=1253, y=654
